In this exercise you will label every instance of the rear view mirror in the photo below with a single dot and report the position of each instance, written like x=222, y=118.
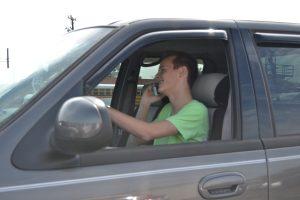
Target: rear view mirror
x=82, y=125
x=150, y=61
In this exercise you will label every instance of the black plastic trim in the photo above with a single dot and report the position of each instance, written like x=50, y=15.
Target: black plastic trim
x=234, y=88
x=266, y=128
x=276, y=38
x=249, y=118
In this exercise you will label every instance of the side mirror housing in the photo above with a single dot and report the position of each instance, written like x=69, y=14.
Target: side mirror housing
x=83, y=125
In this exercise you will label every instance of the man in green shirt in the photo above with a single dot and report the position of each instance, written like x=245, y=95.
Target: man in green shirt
x=191, y=122
x=182, y=119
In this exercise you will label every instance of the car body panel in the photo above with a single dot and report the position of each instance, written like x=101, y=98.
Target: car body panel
x=176, y=178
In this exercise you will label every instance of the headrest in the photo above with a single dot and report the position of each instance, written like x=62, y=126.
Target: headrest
x=211, y=89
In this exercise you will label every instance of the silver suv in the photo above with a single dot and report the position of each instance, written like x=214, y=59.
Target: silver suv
x=250, y=82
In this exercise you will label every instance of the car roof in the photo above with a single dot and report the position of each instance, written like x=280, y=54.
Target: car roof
x=177, y=23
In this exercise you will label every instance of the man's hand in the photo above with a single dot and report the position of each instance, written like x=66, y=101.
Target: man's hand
x=148, y=98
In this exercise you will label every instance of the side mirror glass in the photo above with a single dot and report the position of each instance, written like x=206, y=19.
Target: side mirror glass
x=82, y=125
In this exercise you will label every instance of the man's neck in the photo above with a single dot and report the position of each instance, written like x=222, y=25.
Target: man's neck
x=179, y=99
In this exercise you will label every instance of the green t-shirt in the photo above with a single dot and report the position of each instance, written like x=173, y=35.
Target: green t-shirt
x=191, y=121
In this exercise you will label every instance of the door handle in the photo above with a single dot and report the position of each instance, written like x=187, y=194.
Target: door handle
x=222, y=185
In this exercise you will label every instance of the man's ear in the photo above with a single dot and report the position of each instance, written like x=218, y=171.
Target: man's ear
x=183, y=71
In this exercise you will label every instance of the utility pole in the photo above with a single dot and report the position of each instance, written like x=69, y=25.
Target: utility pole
x=7, y=58
x=72, y=20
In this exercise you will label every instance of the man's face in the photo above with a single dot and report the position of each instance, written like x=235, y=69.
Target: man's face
x=166, y=75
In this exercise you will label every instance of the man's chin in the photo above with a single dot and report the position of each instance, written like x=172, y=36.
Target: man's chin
x=161, y=91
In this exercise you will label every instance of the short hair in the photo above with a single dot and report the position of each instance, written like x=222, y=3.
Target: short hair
x=184, y=59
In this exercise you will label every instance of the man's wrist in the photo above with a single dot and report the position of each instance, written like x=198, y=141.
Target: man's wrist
x=145, y=104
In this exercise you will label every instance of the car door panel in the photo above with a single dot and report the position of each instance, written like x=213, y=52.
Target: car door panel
x=176, y=178
x=284, y=162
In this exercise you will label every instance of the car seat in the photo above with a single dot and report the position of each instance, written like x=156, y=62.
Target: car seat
x=213, y=90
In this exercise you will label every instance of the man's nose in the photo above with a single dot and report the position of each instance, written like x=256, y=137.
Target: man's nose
x=157, y=77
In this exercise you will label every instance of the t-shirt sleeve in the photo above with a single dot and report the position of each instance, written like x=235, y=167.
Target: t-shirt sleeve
x=189, y=120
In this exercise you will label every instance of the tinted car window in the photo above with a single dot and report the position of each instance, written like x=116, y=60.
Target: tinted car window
x=282, y=68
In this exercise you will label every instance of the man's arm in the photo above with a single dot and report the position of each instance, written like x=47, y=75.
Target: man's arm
x=142, y=114
x=144, y=130
x=146, y=101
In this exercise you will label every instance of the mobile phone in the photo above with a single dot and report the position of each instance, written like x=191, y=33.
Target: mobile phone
x=154, y=89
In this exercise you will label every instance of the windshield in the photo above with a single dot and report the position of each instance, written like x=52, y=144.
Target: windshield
x=55, y=60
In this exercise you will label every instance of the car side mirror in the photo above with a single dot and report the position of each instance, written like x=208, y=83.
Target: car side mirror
x=83, y=125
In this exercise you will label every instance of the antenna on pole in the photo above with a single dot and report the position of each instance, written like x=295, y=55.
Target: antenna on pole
x=72, y=20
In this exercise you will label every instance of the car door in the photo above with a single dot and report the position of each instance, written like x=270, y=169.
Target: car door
x=278, y=56
x=275, y=63
x=234, y=168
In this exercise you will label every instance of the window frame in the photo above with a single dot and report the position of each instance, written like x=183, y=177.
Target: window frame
x=213, y=147
x=138, y=43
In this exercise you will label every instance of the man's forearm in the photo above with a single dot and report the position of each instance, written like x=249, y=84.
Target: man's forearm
x=135, y=126
x=142, y=115
x=144, y=130
x=143, y=112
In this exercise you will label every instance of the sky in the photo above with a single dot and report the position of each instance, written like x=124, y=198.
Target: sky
x=26, y=25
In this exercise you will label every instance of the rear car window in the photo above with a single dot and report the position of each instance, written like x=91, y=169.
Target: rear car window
x=282, y=69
